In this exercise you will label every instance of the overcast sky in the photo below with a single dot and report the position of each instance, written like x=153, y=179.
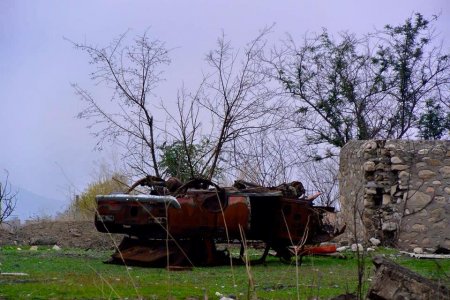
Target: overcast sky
x=46, y=149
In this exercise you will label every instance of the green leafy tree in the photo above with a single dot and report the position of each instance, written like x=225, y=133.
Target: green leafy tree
x=184, y=161
x=361, y=88
x=334, y=88
x=433, y=122
x=411, y=68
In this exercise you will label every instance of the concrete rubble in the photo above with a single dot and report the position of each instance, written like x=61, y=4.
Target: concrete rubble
x=392, y=281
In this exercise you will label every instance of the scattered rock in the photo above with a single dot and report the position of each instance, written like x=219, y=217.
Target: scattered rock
x=418, y=250
x=33, y=248
x=56, y=248
x=375, y=241
x=341, y=249
x=356, y=247
x=370, y=249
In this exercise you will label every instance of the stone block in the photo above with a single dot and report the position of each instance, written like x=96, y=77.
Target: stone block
x=447, y=190
x=440, y=225
x=440, y=200
x=421, y=165
x=404, y=174
x=370, y=191
x=399, y=167
x=389, y=226
x=433, y=162
x=417, y=200
x=418, y=227
x=426, y=174
x=430, y=190
x=386, y=199
x=438, y=213
x=438, y=151
x=382, y=167
x=445, y=171
x=423, y=151
x=396, y=160
x=422, y=213
x=369, y=146
x=369, y=166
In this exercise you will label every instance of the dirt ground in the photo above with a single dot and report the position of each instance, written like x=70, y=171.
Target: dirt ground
x=65, y=234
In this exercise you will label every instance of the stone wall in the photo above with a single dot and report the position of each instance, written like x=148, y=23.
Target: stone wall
x=398, y=191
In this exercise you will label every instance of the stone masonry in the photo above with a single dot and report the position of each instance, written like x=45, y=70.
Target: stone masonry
x=397, y=191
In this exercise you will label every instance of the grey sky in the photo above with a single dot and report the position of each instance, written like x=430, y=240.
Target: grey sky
x=45, y=148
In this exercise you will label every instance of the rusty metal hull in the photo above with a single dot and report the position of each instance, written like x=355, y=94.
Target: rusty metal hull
x=195, y=221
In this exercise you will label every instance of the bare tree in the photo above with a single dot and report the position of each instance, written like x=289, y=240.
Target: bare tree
x=7, y=199
x=267, y=158
x=231, y=104
x=132, y=73
x=187, y=140
x=322, y=175
x=236, y=96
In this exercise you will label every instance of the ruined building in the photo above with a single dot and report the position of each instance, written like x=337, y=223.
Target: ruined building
x=398, y=191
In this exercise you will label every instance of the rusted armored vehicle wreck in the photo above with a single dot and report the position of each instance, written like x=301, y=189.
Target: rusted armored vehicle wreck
x=180, y=225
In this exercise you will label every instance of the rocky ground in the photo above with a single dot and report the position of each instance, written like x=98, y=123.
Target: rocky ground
x=65, y=234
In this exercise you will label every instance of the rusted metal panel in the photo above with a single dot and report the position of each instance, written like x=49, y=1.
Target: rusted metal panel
x=198, y=217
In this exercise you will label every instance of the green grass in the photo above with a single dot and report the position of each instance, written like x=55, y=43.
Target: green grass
x=78, y=274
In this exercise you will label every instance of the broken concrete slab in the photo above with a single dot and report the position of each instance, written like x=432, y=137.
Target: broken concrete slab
x=426, y=255
x=392, y=281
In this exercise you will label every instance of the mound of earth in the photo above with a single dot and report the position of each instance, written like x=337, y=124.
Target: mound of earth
x=66, y=234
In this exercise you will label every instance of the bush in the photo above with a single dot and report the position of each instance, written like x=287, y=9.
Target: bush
x=84, y=205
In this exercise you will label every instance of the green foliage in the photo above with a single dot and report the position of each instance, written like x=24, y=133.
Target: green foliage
x=433, y=122
x=408, y=70
x=183, y=161
x=80, y=274
x=365, y=88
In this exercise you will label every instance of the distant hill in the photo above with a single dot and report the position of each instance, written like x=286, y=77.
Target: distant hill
x=31, y=206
